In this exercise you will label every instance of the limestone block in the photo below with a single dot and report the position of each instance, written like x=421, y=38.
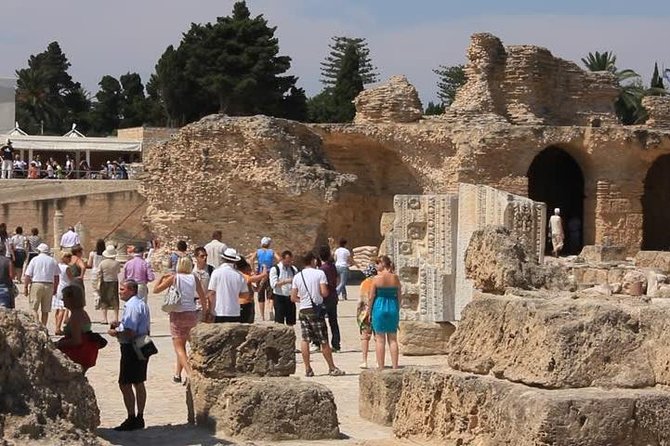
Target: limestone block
x=600, y=253
x=561, y=342
x=263, y=408
x=615, y=275
x=379, y=392
x=386, y=223
x=449, y=406
x=229, y=350
x=44, y=397
x=417, y=338
x=663, y=292
x=594, y=276
x=658, y=108
x=634, y=283
x=394, y=101
x=658, y=260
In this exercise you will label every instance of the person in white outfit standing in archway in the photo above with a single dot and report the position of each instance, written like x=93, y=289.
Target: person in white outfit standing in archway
x=556, y=231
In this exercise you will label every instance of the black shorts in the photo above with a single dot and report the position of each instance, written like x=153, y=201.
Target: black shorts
x=132, y=370
x=264, y=290
x=222, y=319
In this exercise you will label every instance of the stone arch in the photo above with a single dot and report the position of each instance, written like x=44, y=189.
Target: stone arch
x=557, y=179
x=655, y=206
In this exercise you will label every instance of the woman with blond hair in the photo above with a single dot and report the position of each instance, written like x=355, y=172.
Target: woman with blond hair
x=185, y=317
x=383, y=299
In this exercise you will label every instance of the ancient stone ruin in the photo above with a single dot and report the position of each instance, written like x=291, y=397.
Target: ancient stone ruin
x=44, y=397
x=240, y=385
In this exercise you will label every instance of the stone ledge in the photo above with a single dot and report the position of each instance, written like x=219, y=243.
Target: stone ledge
x=379, y=393
x=446, y=405
x=417, y=338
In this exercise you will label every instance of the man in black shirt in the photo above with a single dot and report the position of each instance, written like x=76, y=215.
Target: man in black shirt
x=7, y=159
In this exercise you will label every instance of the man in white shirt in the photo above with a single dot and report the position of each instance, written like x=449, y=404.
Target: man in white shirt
x=281, y=278
x=225, y=287
x=69, y=239
x=342, y=262
x=215, y=249
x=308, y=288
x=41, y=282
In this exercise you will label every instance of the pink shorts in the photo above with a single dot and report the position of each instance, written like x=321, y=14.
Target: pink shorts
x=181, y=323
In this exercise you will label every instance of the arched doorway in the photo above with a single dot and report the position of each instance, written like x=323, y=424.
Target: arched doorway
x=656, y=206
x=555, y=178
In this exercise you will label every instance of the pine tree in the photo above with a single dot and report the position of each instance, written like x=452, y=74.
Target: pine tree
x=434, y=109
x=347, y=85
x=656, y=79
x=332, y=65
x=133, y=101
x=106, y=114
x=450, y=80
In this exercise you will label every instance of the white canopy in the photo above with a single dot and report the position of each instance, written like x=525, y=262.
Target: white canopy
x=73, y=144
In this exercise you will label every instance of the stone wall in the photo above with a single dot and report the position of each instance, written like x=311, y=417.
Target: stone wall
x=394, y=101
x=658, y=108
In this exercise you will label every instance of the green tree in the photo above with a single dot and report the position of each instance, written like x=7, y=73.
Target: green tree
x=133, y=101
x=320, y=108
x=434, y=109
x=656, y=79
x=45, y=89
x=450, y=79
x=347, y=86
x=628, y=105
x=231, y=66
x=332, y=65
x=106, y=114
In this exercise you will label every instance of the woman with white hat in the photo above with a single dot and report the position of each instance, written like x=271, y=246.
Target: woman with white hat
x=108, y=273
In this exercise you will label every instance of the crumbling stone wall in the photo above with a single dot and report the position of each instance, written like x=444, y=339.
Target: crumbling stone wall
x=658, y=108
x=394, y=101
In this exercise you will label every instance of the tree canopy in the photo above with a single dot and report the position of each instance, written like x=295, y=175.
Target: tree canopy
x=450, y=79
x=332, y=64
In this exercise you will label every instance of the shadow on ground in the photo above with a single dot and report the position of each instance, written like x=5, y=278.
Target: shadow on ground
x=167, y=435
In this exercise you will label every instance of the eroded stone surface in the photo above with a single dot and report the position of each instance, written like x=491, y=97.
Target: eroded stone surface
x=562, y=342
x=418, y=338
x=44, y=396
x=394, y=101
x=229, y=350
x=448, y=405
x=262, y=408
x=379, y=392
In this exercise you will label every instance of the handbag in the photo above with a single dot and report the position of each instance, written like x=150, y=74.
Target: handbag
x=144, y=347
x=320, y=309
x=172, y=299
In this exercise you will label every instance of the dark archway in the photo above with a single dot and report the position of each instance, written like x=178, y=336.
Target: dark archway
x=655, y=206
x=555, y=178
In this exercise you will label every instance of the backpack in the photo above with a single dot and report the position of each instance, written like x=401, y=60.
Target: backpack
x=293, y=268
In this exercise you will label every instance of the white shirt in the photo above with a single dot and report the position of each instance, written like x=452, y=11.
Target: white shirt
x=188, y=290
x=342, y=256
x=43, y=268
x=556, y=225
x=313, y=279
x=214, y=250
x=228, y=284
x=69, y=239
x=284, y=273
x=64, y=280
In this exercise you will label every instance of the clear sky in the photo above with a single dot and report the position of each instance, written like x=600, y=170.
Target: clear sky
x=410, y=38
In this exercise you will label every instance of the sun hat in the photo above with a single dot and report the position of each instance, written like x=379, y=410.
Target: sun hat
x=109, y=252
x=230, y=255
x=266, y=241
x=43, y=247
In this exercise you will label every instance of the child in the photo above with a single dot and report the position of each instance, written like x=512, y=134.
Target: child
x=57, y=300
x=363, y=313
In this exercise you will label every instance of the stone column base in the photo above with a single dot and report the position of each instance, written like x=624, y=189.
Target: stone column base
x=418, y=338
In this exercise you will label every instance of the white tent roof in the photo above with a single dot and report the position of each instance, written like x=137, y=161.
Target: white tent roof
x=73, y=144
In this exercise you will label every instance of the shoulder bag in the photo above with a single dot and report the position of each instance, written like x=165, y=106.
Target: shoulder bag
x=319, y=310
x=172, y=299
x=144, y=347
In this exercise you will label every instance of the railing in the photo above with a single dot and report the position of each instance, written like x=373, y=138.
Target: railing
x=131, y=171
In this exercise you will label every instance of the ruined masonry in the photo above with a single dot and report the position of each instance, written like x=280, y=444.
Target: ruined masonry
x=431, y=234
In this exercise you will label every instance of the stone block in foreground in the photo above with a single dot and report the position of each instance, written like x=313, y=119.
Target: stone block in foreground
x=379, y=393
x=551, y=341
x=229, y=350
x=257, y=408
x=419, y=338
x=451, y=406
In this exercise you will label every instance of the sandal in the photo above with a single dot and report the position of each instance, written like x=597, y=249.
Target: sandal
x=309, y=373
x=176, y=379
x=336, y=372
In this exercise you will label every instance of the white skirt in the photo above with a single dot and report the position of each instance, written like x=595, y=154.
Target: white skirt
x=57, y=302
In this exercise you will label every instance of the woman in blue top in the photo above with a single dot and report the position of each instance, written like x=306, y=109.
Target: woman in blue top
x=383, y=301
x=265, y=259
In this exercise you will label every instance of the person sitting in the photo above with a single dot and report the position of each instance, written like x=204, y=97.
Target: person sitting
x=79, y=344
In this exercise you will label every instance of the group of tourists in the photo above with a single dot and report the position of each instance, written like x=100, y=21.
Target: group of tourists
x=14, y=166
x=215, y=284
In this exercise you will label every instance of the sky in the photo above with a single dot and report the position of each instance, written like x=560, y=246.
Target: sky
x=410, y=38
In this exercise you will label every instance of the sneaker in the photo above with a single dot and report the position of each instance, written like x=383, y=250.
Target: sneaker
x=309, y=373
x=336, y=372
x=129, y=424
x=364, y=365
x=176, y=380
x=139, y=422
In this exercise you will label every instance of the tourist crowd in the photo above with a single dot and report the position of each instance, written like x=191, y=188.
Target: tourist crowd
x=212, y=284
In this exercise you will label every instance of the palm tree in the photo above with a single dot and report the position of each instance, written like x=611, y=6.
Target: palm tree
x=629, y=104
x=32, y=98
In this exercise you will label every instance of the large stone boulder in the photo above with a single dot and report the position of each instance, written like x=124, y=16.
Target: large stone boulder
x=379, y=392
x=44, y=397
x=419, y=338
x=394, y=101
x=656, y=260
x=229, y=350
x=496, y=260
x=563, y=342
x=269, y=409
x=460, y=408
